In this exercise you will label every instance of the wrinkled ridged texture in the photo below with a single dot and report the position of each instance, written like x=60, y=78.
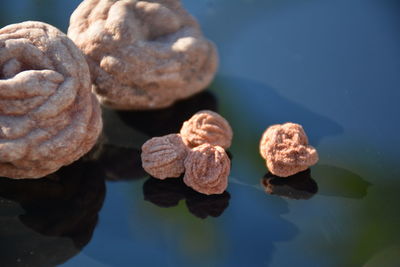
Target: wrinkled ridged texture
x=207, y=169
x=163, y=157
x=285, y=149
x=142, y=54
x=207, y=127
x=48, y=115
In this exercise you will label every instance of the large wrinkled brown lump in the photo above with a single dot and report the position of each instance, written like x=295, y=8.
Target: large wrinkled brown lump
x=207, y=169
x=48, y=115
x=163, y=157
x=285, y=149
x=142, y=54
x=207, y=127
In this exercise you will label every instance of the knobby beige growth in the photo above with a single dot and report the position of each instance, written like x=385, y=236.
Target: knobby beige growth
x=207, y=169
x=207, y=127
x=163, y=157
x=48, y=116
x=142, y=54
x=285, y=149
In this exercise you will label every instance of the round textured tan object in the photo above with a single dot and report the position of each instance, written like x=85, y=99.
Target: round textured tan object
x=48, y=115
x=163, y=157
x=285, y=149
x=207, y=127
x=207, y=169
x=142, y=54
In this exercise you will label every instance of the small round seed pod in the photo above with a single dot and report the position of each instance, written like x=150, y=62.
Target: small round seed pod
x=285, y=149
x=207, y=127
x=163, y=157
x=48, y=115
x=142, y=54
x=207, y=169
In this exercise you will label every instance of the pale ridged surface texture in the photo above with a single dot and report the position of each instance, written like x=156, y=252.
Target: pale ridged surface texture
x=48, y=115
x=286, y=150
x=163, y=157
x=207, y=127
x=142, y=54
x=207, y=169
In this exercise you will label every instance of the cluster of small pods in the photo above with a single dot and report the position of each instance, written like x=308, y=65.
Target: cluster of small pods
x=198, y=151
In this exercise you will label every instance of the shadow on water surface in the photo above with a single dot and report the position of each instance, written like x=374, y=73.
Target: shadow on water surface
x=263, y=106
x=169, y=120
x=338, y=182
x=133, y=128
x=118, y=163
x=45, y=222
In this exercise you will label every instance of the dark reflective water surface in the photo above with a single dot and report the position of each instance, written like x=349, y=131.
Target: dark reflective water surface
x=333, y=66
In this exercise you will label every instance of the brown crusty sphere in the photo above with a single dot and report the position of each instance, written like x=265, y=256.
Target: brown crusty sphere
x=207, y=127
x=48, y=115
x=285, y=149
x=163, y=157
x=207, y=169
x=142, y=54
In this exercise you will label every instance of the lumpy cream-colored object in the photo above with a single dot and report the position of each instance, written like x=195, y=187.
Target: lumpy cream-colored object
x=286, y=150
x=163, y=157
x=207, y=169
x=48, y=116
x=207, y=127
x=142, y=54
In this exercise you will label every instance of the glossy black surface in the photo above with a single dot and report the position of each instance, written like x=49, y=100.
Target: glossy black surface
x=333, y=66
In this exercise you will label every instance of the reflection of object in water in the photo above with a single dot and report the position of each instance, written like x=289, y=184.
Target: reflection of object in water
x=48, y=221
x=298, y=186
x=165, y=193
x=119, y=163
x=202, y=206
x=335, y=181
x=168, y=193
x=169, y=120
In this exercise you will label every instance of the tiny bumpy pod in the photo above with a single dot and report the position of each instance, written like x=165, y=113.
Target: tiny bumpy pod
x=285, y=149
x=163, y=157
x=207, y=169
x=142, y=54
x=207, y=127
x=48, y=115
